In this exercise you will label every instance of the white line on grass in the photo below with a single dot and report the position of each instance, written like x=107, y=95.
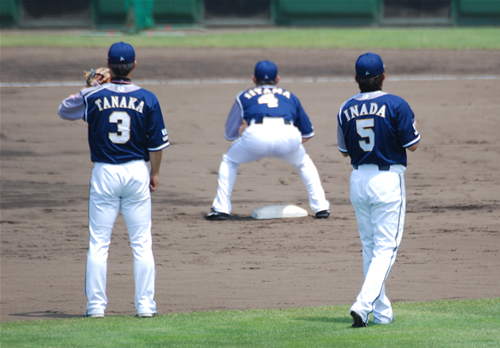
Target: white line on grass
x=234, y=81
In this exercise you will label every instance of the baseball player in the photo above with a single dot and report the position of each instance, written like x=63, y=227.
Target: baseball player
x=267, y=121
x=125, y=130
x=375, y=129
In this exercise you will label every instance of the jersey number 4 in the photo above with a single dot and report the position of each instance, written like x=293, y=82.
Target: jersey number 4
x=122, y=119
x=365, y=131
x=269, y=99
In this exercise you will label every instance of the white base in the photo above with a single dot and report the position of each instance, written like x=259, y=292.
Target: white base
x=278, y=211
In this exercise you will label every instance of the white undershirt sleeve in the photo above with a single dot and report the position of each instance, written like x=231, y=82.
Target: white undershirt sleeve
x=73, y=107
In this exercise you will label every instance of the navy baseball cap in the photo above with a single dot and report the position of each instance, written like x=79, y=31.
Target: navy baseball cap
x=369, y=65
x=121, y=53
x=266, y=70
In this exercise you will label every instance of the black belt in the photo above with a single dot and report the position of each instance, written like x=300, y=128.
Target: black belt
x=381, y=168
x=259, y=121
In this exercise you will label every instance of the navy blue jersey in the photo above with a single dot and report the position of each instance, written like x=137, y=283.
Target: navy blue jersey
x=376, y=128
x=271, y=101
x=124, y=123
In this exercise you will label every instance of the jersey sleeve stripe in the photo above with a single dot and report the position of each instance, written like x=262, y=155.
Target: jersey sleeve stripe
x=85, y=97
x=413, y=142
x=167, y=144
x=310, y=135
x=339, y=115
x=241, y=105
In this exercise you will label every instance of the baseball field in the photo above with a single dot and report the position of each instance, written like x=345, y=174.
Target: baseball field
x=246, y=282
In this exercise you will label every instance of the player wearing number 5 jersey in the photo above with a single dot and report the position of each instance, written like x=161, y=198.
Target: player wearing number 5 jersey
x=375, y=129
x=125, y=130
x=267, y=121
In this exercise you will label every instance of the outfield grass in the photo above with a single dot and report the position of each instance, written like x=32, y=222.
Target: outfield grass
x=362, y=38
x=468, y=323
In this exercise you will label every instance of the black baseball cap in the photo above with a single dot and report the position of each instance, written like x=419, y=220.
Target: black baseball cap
x=369, y=65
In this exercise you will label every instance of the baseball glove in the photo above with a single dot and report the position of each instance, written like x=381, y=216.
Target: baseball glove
x=96, y=77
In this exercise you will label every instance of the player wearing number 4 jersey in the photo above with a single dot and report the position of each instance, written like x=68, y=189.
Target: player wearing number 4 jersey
x=375, y=129
x=267, y=121
x=125, y=130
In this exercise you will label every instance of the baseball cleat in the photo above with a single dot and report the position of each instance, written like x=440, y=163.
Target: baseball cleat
x=323, y=214
x=358, y=321
x=215, y=215
x=147, y=315
x=98, y=315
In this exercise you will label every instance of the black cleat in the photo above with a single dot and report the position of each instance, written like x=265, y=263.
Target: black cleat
x=358, y=321
x=324, y=214
x=215, y=215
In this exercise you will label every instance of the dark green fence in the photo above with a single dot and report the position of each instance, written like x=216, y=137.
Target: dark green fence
x=9, y=12
x=109, y=13
x=327, y=12
x=178, y=11
x=478, y=12
x=143, y=14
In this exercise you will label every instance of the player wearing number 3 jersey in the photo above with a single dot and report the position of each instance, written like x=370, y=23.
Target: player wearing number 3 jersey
x=277, y=127
x=375, y=129
x=125, y=130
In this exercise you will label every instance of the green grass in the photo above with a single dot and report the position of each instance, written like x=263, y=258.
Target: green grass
x=469, y=323
x=331, y=38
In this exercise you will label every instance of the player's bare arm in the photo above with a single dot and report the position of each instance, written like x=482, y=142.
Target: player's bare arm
x=413, y=147
x=155, y=160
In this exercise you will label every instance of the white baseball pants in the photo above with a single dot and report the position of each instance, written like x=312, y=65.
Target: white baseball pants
x=113, y=188
x=272, y=138
x=379, y=200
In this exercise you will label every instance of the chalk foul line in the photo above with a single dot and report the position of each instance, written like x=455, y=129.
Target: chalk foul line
x=237, y=81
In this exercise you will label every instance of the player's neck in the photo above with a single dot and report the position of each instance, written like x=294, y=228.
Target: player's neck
x=371, y=91
x=121, y=80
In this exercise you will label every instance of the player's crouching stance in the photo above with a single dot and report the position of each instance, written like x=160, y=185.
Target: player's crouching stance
x=375, y=129
x=267, y=121
x=125, y=130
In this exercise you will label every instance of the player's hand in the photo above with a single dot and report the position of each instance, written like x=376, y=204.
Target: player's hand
x=154, y=182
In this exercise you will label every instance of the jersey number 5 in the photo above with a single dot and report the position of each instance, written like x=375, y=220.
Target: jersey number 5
x=364, y=128
x=122, y=119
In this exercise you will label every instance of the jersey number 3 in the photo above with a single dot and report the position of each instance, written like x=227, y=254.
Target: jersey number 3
x=364, y=128
x=122, y=119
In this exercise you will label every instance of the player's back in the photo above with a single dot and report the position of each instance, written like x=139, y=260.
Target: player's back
x=376, y=128
x=119, y=119
x=268, y=101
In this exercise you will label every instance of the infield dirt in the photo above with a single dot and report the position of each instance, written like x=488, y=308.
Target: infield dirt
x=451, y=242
